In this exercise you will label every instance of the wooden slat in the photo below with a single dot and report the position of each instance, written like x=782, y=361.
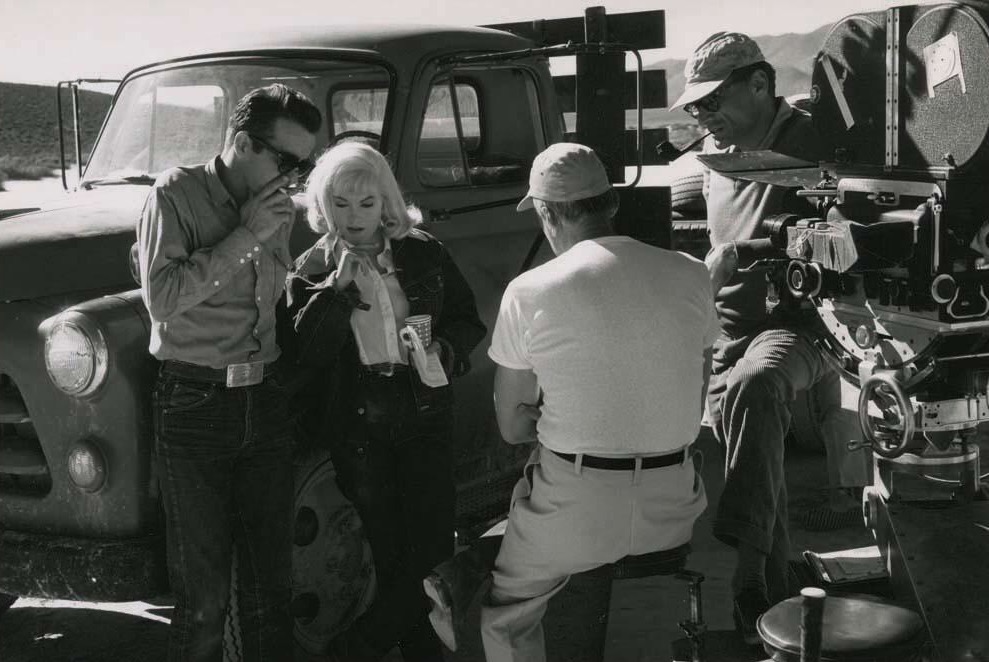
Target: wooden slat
x=600, y=112
x=653, y=90
x=641, y=30
x=651, y=139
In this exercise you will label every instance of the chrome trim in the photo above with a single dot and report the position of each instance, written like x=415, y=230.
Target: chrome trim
x=94, y=334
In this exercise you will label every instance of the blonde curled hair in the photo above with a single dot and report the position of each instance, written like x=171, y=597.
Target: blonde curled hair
x=354, y=166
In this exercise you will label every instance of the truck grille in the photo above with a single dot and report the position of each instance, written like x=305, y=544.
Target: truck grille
x=23, y=467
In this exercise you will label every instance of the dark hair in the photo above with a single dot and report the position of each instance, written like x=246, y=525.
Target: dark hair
x=745, y=74
x=600, y=207
x=257, y=110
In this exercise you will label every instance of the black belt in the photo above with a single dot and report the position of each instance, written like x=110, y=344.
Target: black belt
x=383, y=369
x=202, y=373
x=625, y=463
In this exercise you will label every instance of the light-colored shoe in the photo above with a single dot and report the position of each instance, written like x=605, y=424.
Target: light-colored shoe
x=441, y=611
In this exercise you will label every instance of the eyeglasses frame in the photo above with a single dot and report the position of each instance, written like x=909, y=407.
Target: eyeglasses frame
x=303, y=166
x=711, y=102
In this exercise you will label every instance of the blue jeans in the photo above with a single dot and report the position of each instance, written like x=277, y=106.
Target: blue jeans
x=224, y=463
x=396, y=466
x=753, y=382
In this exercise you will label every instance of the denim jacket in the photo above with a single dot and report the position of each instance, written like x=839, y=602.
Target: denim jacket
x=432, y=284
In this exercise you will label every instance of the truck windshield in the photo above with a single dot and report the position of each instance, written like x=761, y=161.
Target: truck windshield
x=179, y=116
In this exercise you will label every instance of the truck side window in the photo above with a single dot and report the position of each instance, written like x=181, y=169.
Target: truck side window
x=500, y=123
x=440, y=160
x=359, y=112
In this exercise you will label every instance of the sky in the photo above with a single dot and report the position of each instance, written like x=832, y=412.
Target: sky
x=44, y=41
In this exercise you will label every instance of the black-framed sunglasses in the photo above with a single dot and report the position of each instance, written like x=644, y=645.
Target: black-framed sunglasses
x=711, y=103
x=286, y=161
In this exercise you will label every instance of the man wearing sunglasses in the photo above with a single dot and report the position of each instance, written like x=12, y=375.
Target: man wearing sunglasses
x=213, y=253
x=764, y=356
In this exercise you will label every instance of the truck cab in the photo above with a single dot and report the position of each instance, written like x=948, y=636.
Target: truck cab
x=459, y=113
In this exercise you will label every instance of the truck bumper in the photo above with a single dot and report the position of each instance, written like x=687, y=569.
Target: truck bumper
x=57, y=567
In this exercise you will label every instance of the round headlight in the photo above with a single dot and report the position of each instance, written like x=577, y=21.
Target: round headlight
x=76, y=355
x=87, y=467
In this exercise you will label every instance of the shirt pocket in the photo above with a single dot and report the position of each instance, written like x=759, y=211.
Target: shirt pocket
x=425, y=294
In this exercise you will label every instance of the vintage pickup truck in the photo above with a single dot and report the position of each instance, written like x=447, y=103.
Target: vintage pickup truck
x=459, y=112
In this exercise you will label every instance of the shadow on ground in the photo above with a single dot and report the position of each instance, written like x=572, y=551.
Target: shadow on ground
x=634, y=620
x=33, y=634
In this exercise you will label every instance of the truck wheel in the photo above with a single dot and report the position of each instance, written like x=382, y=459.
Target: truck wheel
x=6, y=601
x=332, y=569
x=687, y=195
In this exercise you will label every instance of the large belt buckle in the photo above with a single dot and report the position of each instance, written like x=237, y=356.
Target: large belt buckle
x=245, y=374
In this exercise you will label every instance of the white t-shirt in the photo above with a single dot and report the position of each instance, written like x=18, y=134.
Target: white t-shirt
x=614, y=330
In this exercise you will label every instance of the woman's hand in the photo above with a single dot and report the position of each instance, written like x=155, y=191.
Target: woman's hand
x=445, y=353
x=351, y=263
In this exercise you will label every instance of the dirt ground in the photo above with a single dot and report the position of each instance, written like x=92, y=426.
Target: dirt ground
x=644, y=612
x=638, y=618
x=641, y=615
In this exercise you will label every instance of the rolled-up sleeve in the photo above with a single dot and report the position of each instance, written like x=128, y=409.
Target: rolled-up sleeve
x=508, y=341
x=174, y=278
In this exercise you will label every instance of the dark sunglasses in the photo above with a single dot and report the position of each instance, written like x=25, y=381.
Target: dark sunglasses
x=286, y=161
x=711, y=103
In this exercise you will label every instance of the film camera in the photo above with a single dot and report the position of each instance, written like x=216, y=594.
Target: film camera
x=896, y=260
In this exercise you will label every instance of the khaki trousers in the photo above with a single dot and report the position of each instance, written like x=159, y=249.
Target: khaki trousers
x=566, y=519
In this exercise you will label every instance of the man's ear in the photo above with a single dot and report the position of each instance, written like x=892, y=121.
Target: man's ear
x=544, y=211
x=242, y=142
x=759, y=82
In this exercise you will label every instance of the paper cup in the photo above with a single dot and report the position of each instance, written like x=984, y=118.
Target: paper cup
x=422, y=325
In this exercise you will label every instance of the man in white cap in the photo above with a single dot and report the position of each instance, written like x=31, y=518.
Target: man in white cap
x=603, y=356
x=763, y=357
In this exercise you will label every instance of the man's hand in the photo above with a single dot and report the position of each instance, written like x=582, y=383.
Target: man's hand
x=722, y=263
x=268, y=210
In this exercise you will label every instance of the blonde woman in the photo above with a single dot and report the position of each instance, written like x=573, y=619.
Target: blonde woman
x=389, y=434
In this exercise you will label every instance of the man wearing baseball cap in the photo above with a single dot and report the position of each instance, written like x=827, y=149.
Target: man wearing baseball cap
x=764, y=355
x=602, y=359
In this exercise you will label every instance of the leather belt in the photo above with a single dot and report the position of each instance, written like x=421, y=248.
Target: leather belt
x=383, y=369
x=204, y=373
x=625, y=463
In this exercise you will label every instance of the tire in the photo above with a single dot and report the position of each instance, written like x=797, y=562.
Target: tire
x=333, y=578
x=687, y=195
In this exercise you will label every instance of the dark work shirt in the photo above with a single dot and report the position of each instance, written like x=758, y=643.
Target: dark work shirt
x=209, y=284
x=736, y=209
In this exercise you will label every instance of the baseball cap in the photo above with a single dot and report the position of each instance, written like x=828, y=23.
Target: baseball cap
x=564, y=172
x=713, y=61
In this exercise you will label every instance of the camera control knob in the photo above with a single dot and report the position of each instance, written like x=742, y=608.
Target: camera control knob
x=943, y=288
x=803, y=279
x=865, y=337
